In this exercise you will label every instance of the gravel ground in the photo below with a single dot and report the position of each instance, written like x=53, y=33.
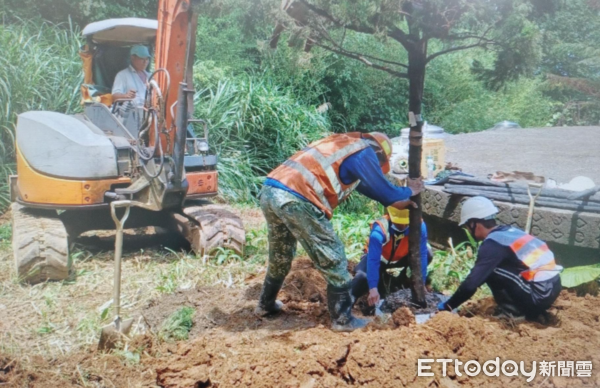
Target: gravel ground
x=560, y=153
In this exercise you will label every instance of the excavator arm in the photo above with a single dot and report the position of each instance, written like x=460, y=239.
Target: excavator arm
x=170, y=93
x=175, y=47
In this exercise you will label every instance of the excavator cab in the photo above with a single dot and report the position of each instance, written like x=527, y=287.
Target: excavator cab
x=71, y=168
x=106, y=52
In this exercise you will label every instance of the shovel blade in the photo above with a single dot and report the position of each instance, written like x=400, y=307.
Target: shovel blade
x=114, y=333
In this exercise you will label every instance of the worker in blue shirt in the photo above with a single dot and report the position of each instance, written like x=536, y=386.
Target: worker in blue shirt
x=387, y=248
x=298, y=200
x=519, y=268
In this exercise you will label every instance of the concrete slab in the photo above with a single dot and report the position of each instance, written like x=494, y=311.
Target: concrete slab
x=573, y=236
x=561, y=153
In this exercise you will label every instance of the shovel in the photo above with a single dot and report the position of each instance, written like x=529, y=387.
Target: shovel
x=114, y=332
x=532, y=199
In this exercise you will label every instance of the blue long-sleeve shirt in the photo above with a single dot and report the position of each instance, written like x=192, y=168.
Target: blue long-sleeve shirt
x=364, y=166
x=376, y=241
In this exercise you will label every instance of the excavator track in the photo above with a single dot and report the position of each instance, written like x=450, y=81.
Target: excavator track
x=40, y=245
x=209, y=227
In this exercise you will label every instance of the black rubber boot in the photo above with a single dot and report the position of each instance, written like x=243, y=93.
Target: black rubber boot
x=268, y=304
x=507, y=308
x=339, y=302
x=359, y=285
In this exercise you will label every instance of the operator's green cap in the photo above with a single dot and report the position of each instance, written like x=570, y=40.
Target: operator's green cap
x=140, y=50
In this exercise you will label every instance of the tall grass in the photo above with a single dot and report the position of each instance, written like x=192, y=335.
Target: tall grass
x=254, y=126
x=39, y=70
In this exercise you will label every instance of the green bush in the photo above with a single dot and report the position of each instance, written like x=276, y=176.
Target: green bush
x=458, y=102
x=254, y=126
x=39, y=70
x=80, y=12
x=449, y=268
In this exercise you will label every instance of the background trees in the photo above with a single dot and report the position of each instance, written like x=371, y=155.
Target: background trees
x=416, y=33
x=233, y=56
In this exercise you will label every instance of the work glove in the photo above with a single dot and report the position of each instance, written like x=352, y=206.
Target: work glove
x=442, y=306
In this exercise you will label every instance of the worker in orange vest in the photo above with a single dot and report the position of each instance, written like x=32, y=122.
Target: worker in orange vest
x=298, y=200
x=387, y=248
x=519, y=268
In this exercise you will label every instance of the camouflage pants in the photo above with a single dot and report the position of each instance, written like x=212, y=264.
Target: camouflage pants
x=291, y=219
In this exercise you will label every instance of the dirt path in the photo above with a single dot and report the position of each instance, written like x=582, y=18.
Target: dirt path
x=232, y=347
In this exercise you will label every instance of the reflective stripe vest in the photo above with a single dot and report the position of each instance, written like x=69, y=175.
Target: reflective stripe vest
x=532, y=252
x=392, y=251
x=314, y=172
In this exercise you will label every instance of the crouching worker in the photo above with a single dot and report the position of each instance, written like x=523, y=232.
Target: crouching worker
x=387, y=248
x=519, y=268
x=298, y=200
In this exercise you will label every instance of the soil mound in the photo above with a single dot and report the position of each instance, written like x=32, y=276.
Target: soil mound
x=318, y=357
x=231, y=347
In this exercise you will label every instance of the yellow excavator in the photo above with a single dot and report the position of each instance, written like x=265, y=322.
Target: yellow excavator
x=90, y=171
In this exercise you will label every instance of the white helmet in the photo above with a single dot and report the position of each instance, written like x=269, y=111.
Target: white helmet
x=478, y=208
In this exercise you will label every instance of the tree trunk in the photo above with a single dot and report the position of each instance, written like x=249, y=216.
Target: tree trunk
x=416, y=76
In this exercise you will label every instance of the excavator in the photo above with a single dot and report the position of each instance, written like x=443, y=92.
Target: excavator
x=111, y=163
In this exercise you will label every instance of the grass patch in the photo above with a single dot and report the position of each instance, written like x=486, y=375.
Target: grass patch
x=57, y=318
x=255, y=125
x=353, y=229
x=451, y=267
x=5, y=234
x=178, y=325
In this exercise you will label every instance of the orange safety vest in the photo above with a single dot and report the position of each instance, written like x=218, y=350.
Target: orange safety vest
x=391, y=251
x=532, y=252
x=314, y=172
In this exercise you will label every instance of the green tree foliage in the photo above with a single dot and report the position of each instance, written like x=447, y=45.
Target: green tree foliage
x=228, y=31
x=457, y=101
x=79, y=12
x=402, y=37
x=572, y=61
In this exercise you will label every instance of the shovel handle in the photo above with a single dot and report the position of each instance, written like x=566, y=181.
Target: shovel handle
x=119, y=223
x=532, y=203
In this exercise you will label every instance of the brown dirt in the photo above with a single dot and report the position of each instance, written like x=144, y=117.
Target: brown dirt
x=79, y=370
x=230, y=346
x=403, y=317
x=317, y=357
